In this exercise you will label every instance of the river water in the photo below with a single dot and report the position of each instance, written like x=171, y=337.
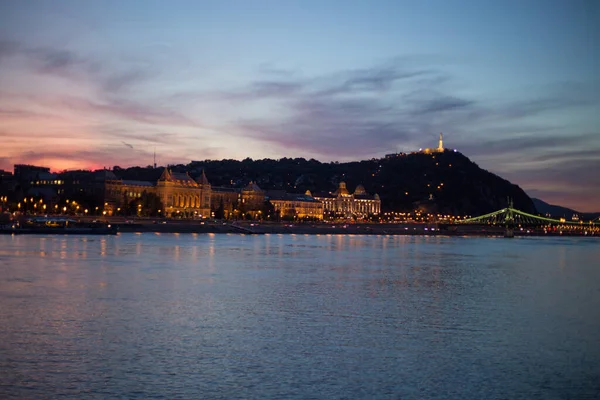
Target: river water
x=168, y=316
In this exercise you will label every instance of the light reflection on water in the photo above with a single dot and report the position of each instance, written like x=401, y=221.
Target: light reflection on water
x=297, y=316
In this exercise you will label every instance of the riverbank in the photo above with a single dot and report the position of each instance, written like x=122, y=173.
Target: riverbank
x=124, y=225
x=327, y=229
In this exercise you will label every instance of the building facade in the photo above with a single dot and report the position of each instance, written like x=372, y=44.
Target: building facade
x=342, y=203
x=179, y=194
x=252, y=200
x=296, y=206
x=224, y=201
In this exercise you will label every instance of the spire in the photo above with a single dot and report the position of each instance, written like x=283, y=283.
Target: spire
x=441, y=143
x=166, y=175
x=203, y=180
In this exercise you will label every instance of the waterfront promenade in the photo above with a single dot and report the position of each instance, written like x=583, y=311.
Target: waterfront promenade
x=318, y=228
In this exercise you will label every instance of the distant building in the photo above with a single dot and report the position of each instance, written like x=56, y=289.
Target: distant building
x=295, y=206
x=26, y=173
x=179, y=193
x=358, y=204
x=253, y=198
x=7, y=187
x=226, y=198
x=7, y=182
x=38, y=182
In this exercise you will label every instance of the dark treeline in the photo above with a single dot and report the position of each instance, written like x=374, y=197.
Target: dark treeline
x=441, y=182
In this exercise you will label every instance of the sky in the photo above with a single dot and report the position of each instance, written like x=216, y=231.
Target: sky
x=513, y=85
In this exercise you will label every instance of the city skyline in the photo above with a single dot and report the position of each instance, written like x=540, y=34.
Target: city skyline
x=514, y=86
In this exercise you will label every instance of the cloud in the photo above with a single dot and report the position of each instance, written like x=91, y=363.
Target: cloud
x=378, y=79
x=112, y=83
x=120, y=81
x=19, y=113
x=539, y=142
x=442, y=104
x=349, y=114
x=129, y=110
x=8, y=48
x=109, y=76
x=147, y=136
x=5, y=163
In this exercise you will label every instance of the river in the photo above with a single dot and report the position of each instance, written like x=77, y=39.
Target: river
x=191, y=316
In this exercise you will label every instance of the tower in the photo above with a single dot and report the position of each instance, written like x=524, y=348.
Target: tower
x=441, y=143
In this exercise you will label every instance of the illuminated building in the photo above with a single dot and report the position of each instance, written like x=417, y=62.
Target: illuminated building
x=295, y=206
x=253, y=198
x=249, y=200
x=224, y=198
x=180, y=195
x=343, y=203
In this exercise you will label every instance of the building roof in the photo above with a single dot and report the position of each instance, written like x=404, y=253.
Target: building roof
x=252, y=187
x=283, y=196
x=105, y=175
x=136, y=183
x=181, y=178
x=366, y=197
x=360, y=190
x=324, y=195
x=47, y=176
x=223, y=189
x=342, y=190
x=203, y=180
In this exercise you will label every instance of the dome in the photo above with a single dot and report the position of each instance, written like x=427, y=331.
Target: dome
x=342, y=191
x=360, y=190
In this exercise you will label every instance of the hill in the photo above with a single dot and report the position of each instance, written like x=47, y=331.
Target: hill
x=562, y=212
x=555, y=211
x=404, y=182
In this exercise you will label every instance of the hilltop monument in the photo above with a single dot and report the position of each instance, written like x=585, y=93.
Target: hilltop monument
x=439, y=149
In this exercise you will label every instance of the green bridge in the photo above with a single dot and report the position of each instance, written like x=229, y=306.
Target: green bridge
x=511, y=219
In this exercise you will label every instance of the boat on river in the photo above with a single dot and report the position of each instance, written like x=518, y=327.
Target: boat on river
x=58, y=226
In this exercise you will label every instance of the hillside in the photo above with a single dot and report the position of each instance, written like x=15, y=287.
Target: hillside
x=457, y=184
x=555, y=211
x=562, y=212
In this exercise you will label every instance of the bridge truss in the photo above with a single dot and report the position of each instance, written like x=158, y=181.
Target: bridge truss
x=511, y=217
